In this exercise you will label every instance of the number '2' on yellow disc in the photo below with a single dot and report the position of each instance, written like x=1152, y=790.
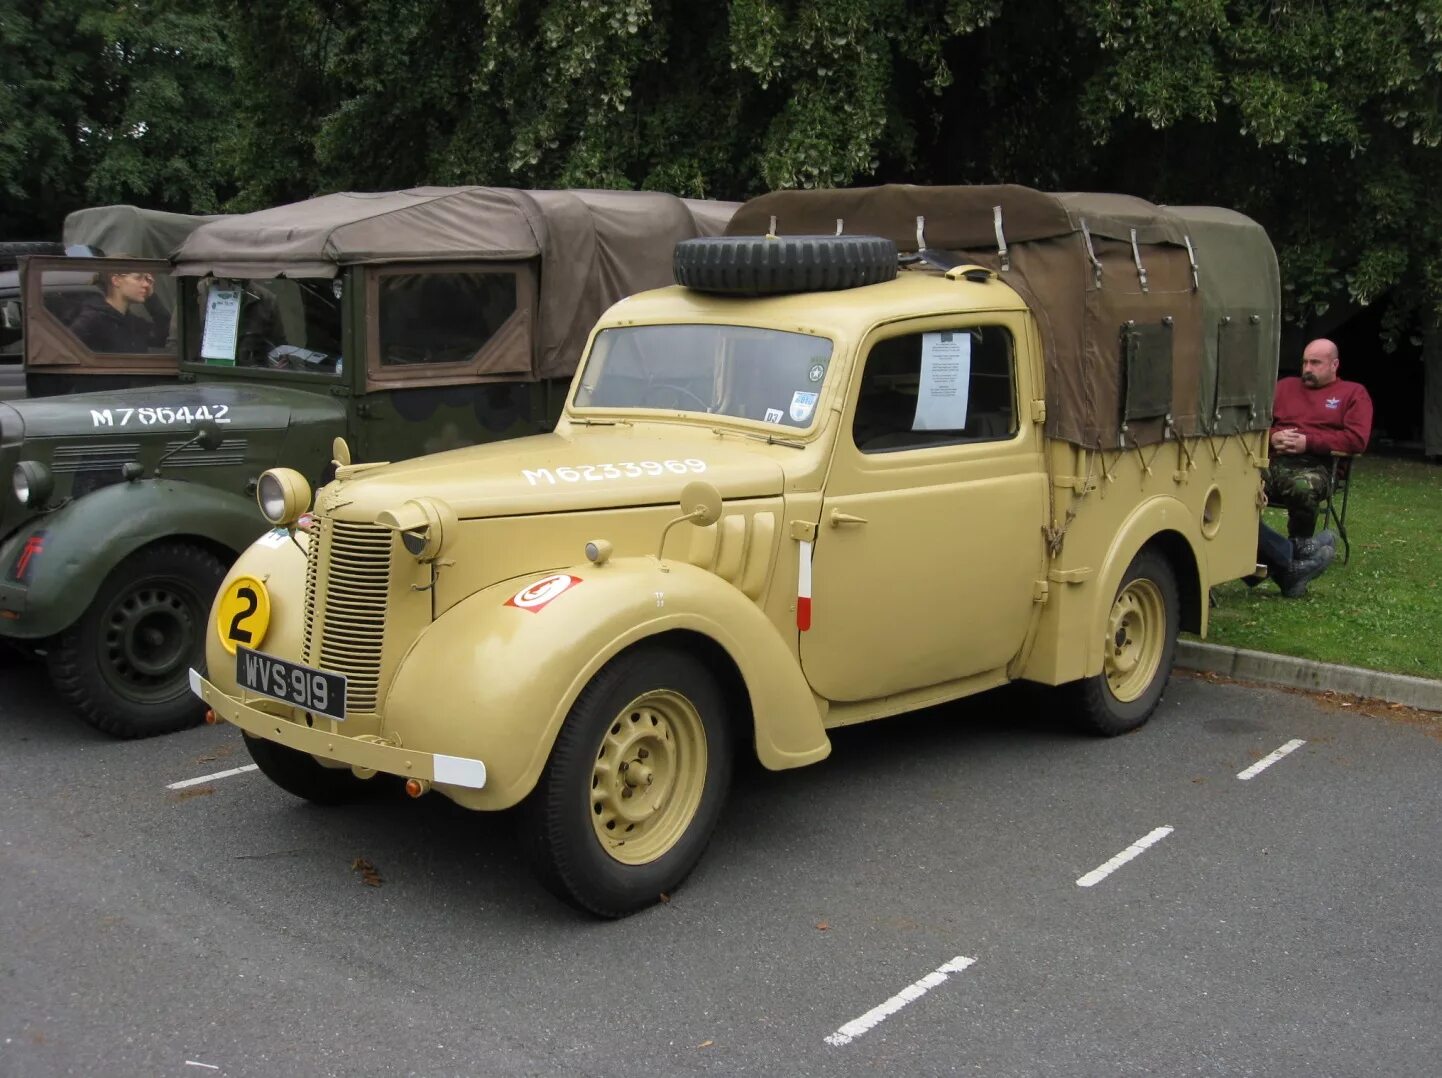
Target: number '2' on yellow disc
x=243, y=613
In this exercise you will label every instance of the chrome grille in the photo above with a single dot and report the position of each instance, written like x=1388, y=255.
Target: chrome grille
x=347, y=584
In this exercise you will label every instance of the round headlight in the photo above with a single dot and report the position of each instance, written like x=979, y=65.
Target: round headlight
x=33, y=483
x=283, y=495
x=424, y=525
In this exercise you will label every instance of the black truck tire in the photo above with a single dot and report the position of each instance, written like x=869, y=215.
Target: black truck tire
x=761, y=265
x=1140, y=646
x=124, y=666
x=634, y=785
x=11, y=251
x=302, y=775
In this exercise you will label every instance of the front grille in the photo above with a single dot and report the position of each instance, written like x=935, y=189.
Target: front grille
x=83, y=458
x=230, y=451
x=347, y=583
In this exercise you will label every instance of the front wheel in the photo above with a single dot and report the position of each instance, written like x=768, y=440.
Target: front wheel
x=125, y=665
x=634, y=786
x=1141, y=641
x=301, y=774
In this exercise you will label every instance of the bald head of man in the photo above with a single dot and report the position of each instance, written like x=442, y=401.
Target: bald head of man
x=1319, y=363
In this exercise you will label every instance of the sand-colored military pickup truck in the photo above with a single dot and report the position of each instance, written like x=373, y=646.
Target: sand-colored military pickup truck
x=977, y=435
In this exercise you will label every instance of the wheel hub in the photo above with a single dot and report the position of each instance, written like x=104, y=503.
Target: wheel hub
x=648, y=777
x=147, y=635
x=1136, y=630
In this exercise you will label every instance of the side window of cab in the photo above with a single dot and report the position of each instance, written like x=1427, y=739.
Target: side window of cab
x=935, y=388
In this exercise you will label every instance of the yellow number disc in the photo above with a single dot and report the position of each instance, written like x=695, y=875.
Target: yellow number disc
x=243, y=613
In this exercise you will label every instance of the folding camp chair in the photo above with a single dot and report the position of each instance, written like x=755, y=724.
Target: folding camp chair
x=1339, y=486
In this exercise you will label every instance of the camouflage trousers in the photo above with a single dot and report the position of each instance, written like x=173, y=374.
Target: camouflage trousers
x=1298, y=483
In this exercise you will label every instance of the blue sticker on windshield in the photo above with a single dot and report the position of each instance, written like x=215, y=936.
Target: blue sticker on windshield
x=802, y=405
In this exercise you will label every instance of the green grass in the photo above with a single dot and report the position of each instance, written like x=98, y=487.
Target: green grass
x=1382, y=610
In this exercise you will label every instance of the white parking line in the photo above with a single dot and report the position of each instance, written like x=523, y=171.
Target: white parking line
x=910, y=994
x=1271, y=758
x=1101, y=872
x=207, y=778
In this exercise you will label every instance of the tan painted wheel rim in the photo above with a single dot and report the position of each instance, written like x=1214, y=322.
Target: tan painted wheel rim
x=1136, y=630
x=649, y=775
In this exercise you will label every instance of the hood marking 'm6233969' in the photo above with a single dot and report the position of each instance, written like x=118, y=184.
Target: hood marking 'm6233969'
x=625, y=469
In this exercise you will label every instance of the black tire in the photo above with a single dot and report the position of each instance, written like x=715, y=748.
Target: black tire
x=125, y=665
x=1138, y=651
x=13, y=250
x=652, y=717
x=301, y=774
x=758, y=265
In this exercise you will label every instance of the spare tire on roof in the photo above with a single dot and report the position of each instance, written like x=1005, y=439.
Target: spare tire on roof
x=13, y=250
x=762, y=265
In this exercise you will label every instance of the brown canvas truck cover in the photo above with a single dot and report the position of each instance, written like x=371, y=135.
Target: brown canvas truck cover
x=1157, y=322
x=595, y=246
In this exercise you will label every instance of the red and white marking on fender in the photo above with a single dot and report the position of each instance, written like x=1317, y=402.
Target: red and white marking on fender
x=1268, y=760
x=803, y=587
x=535, y=597
x=910, y=994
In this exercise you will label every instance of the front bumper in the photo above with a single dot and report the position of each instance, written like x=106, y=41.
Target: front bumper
x=367, y=752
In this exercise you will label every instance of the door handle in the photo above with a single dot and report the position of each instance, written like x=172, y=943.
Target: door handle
x=839, y=518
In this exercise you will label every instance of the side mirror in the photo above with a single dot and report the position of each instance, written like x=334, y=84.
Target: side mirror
x=701, y=502
x=207, y=435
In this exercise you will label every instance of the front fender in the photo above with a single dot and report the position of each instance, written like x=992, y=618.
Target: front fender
x=278, y=562
x=494, y=682
x=46, y=591
x=1150, y=519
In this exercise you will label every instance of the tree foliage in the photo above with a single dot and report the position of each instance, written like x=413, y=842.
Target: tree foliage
x=1322, y=119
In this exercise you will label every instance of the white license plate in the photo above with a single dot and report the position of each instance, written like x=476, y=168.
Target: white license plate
x=314, y=690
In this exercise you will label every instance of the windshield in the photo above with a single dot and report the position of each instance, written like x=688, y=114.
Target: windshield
x=738, y=371
x=276, y=324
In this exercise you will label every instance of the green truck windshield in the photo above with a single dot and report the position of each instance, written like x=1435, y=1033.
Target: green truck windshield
x=274, y=324
x=764, y=375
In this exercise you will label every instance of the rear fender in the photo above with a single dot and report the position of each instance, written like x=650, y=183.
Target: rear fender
x=492, y=681
x=1165, y=519
x=84, y=541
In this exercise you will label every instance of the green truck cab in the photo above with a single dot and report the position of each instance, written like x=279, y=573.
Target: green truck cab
x=807, y=487
x=405, y=323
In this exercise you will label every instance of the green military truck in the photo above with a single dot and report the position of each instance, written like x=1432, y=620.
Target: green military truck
x=405, y=322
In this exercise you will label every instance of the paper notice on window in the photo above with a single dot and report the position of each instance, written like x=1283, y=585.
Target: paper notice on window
x=222, y=324
x=941, y=397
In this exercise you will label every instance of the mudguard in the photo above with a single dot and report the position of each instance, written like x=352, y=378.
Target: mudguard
x=82, y=542
x=1149, y=520
x=494, y=681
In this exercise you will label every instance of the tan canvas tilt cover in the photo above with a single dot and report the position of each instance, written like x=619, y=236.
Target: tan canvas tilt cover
x=130, y=230
x=1156, y=322
x=594, y=247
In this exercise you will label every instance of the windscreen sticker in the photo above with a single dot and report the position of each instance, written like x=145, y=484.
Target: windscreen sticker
x=598, y=473
x=158, y=415
x=803, y=403
x=817, y=372
x=773, y=415
x=542, y=592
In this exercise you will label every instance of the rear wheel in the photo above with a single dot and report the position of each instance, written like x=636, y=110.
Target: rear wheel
x=301, y=774
x=1141, y=641
x=125, y=665
x=634, y=785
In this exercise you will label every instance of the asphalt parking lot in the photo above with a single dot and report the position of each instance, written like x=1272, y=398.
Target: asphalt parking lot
x=967, y=890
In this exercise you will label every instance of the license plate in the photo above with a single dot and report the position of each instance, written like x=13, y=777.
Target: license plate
x=291, y=683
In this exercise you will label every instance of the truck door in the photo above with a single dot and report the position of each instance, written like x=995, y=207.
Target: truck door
x=448, y=357
x=930, y=535
x=97, y=323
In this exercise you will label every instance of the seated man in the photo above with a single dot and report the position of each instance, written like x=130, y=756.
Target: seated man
x=1292, y=564
x=1312, y=417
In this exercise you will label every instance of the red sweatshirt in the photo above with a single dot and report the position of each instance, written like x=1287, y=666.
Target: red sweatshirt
x=1334, y=417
